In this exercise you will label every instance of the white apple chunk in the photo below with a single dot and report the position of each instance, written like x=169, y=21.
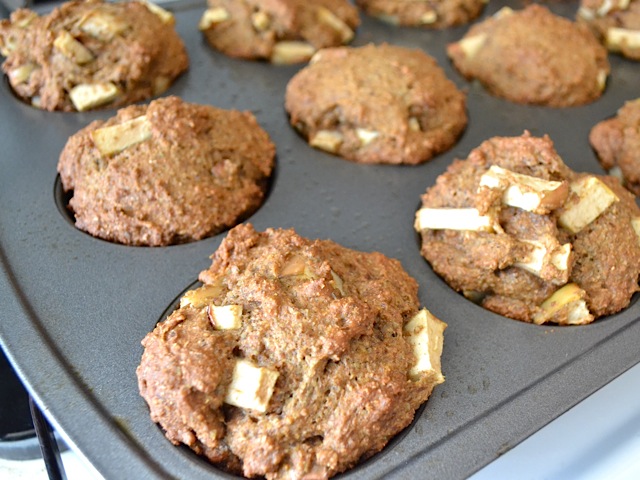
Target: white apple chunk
x=251, y=386
x=454, y=219
x=114, y=139
x=566, y=306
x=591, y=197
x=425, y=334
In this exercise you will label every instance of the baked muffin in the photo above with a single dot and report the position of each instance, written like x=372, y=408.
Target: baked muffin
x=616, y=142
x=532, y=56
x=295, y=359
x=376, y=104
x=280, y=31
x=427, y=13
x=170, y=172
x=616, y=23
x=91, y=54
x=514, y=229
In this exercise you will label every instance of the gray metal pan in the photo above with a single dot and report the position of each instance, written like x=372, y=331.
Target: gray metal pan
x=74, y=308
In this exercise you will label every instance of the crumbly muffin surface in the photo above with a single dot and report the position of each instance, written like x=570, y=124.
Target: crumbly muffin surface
x=376, y=104
x=170, y=172
x=91, y=54
x=279, y=31
x=532, y=56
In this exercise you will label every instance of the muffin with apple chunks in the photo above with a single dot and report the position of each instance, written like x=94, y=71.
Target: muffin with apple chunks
x=296, y=358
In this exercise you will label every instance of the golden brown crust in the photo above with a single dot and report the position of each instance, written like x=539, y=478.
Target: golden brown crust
x=202, y=170
x=532, y=56
x=376, y=104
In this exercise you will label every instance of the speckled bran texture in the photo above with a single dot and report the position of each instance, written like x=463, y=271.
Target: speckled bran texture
x=343, y=390
x=134, y=60
x=378, y=88
x=289, y=20
x=427, y=13
x=616, y=142
x=606, y=254
x=620, y=14
x=535, y=57
x=203, y=170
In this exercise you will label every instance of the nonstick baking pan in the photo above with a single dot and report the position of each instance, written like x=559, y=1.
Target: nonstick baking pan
x=75, y=308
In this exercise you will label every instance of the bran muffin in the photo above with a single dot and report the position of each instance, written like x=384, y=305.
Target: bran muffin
x=280, y=31
x=616, y=142
x=616, y=23
x=295, y=359
x=91, y=54
x=517, y=231
x=532, y=56
x=170, y=172
x=376, y=104
x=428, y=14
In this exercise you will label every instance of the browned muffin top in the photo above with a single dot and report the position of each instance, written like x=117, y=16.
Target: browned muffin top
x=91, y=54
x=169, y=172
x=532, y=56
x=376, y=104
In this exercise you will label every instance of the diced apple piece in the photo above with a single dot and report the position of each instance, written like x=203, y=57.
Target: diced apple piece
x=609, y=5
x=225, y=317
x=470, y=46
x=366, y=136
x=524, y=191
x=565, y=306
x=251, y=386
x=164, y=15
x=337, y=282
x=586, y=13
x=635, y=223
x=424, y=332
x=329, y=18
x=22, y=73
x=547, y=261
x=161, y=84
x=204, y=295
x=260, y=21
x=535, y=261
x=72, y=48
x=414, y=124
x=454, y=219
x=592, y=198
x=288, y=52
x=212, y=17
x=27, y=18
x=114, y=139
x=602, y=79
x=428, y=18
x=86, y=96
x=503, y=12
x=616, y=38
x=327, y=140
x=102, y=25
x=560, y=257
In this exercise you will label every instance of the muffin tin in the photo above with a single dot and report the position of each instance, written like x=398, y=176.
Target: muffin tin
x=75, y=308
